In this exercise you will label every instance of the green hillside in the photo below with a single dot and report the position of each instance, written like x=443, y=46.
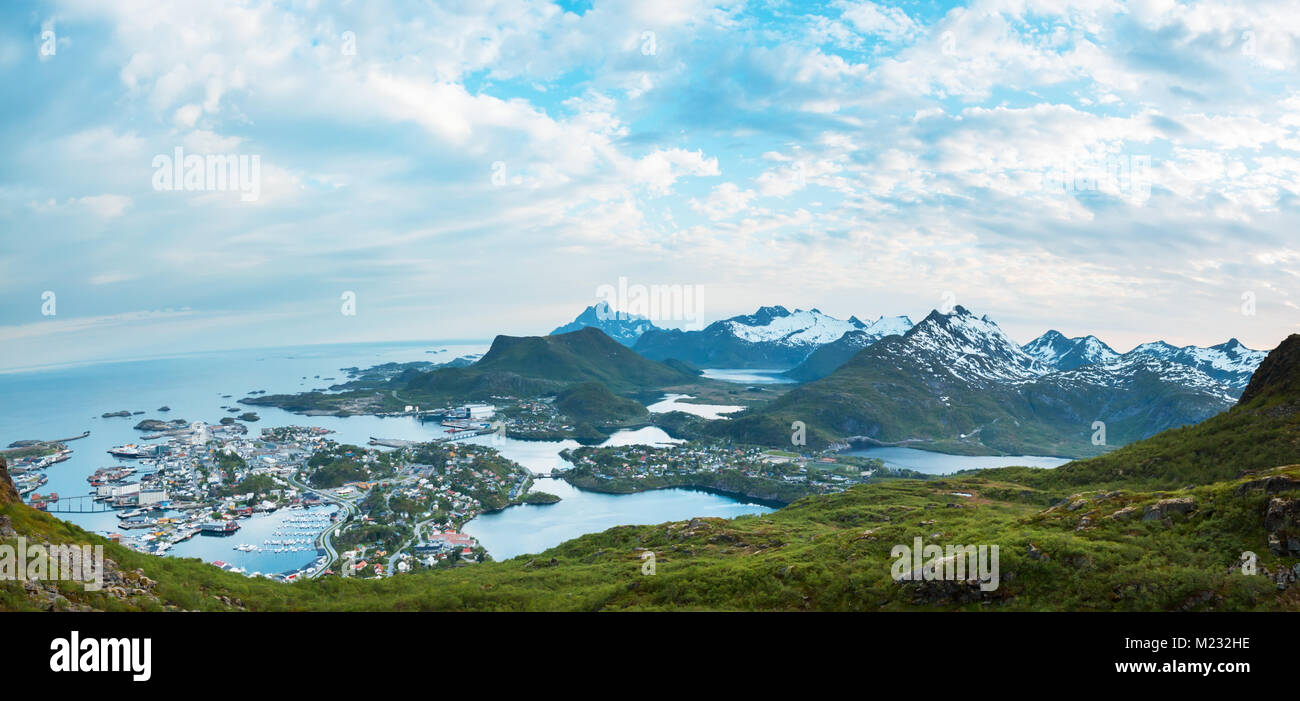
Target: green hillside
x=578, y=356
x=591, y=402
x=533, y=365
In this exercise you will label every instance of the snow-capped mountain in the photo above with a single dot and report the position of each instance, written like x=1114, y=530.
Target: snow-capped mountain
x=797, y=328
x=1054, y=350
x=957, y=379
x=887, y=326
x=971, y=348
x=772, y=337
x=827, y=358
x=1126, y=372
x=1229, y=362
x=620, y=326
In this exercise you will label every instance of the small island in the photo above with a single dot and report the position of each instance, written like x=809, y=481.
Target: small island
x=539, y=498
x=158, y=425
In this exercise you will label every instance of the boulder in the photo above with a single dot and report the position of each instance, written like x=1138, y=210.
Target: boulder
x=1165, y=507
x=1125, y=514
x=1269, y=485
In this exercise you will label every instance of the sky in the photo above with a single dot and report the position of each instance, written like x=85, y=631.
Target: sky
x=455, y=170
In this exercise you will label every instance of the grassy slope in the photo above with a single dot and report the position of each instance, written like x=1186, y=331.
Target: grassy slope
x=827, y=552
x=820, y=553
x=591, y=402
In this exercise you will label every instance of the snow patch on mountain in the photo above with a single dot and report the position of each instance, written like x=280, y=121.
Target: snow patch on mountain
x=797, y=328
x=1230, y=362
x=1055, y=350
x=971, y=348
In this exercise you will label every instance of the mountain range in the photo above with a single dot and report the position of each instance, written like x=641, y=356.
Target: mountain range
x=810, y=345
x=1230, y=362
x=770, y=338
x=957, y=382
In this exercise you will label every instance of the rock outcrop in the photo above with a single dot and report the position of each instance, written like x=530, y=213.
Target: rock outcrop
x=1282, y=521
x=1278, y=374
x=1165, y=507
x=8, y=492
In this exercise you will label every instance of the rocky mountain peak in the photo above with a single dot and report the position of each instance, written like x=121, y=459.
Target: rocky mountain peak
x=1279, y=373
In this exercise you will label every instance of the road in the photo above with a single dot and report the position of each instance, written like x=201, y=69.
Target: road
x=392, y=560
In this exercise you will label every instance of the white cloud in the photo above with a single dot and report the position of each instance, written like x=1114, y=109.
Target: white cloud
x=725, y=201
x=106, y=206
x=891, y=23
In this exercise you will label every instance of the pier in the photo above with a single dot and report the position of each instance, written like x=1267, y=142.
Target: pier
x=77, y=505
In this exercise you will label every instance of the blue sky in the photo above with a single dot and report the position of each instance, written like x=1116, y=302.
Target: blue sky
x=474, y=168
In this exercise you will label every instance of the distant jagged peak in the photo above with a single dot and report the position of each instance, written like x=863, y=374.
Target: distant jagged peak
x=971, y=347
x=601, y=311
x=1230, y=361
x=624, y=327
x=800, y=328
x=1057, y=350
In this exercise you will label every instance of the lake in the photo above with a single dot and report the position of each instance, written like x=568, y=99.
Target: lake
x=532, y=528
x=943, y=464
x=672, y=402
x=748, y=377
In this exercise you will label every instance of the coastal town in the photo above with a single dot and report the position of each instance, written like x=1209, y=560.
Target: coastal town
x=372, y=511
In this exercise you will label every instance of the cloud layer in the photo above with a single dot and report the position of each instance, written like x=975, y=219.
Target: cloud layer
x=1124, y=169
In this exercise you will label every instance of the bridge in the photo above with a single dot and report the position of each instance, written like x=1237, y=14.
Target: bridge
x=77, y=505
x=458, y=436
x=465, y=434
